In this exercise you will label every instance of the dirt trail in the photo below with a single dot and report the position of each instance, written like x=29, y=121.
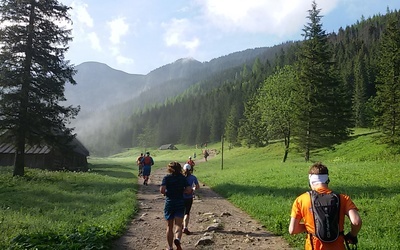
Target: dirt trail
x=215, y=223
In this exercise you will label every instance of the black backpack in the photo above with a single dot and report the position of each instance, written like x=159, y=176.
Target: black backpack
x=325, y=208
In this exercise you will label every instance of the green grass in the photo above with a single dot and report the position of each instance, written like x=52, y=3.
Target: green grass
x=66, y=210
x=259, y=183
x=62, y=210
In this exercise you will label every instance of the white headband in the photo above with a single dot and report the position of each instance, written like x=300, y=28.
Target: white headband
x=318, y=178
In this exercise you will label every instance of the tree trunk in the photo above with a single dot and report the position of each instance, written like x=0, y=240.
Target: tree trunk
x=307, y=155
x=19, y=162
x=285, y=155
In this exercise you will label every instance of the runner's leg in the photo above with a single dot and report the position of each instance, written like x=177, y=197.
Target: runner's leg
x=170, y=232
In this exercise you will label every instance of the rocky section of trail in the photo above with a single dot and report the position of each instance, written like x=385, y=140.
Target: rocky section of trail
x=215, y=224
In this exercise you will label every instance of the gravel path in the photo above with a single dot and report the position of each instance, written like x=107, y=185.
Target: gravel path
x=215, y=223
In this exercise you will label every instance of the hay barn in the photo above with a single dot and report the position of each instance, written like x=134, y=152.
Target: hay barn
x=46, y=157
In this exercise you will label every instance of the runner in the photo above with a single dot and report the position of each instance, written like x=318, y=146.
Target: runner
x=191, y=163
x=173, y=186
x=188, y=198
x=140, y=164
x=147, y=162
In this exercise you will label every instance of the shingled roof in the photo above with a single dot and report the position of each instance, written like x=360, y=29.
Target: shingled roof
x=8, y=148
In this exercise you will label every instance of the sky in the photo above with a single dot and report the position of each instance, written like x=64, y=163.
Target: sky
x=138, y=36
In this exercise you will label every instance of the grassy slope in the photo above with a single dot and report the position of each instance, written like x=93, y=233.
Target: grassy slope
x=62, y=209
x=258, y=182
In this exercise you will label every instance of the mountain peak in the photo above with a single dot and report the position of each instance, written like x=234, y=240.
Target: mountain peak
x=186, y=60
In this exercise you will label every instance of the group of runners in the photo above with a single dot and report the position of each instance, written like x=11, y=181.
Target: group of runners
x=179, y=185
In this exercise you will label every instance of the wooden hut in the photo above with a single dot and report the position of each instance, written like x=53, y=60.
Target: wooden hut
x=47, y=157
x=167, y=146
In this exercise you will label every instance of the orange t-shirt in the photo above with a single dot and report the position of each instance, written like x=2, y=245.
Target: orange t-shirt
x=302, y=210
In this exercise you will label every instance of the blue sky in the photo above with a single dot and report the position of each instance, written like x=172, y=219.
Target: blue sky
x=137, y=36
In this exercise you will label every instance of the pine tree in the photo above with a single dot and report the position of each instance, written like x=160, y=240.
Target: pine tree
x=360, y=91
x=323, y=115
x=33, y=74
x=388, y=87
x=231, y=126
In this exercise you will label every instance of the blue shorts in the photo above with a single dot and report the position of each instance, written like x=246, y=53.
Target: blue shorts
x=146, y=170
x=174, y=209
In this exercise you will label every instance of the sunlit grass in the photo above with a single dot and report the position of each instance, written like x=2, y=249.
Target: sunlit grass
x=258, y=182
x=49, y=205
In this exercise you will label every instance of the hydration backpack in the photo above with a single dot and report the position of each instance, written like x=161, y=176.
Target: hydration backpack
x=325, y=208
x=147, y=161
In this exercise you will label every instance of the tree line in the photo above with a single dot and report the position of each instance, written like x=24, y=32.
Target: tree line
x=314, y=92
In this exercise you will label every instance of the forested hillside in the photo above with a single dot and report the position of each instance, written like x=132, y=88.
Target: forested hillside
x=350, y=92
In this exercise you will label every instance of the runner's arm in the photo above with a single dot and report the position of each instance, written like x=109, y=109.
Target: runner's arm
x=162, y=189
x=355, y=220
x=295, y=227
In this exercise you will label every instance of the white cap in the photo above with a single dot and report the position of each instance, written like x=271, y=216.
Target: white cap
x=186, y=167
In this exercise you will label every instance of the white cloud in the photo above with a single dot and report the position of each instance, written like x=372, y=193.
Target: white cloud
x=118, y=29
x=79, y=11
x=177, y=32
x=94, y=41
x=283, y=17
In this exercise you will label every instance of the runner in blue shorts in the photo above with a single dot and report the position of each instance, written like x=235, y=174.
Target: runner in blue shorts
x=173, y=186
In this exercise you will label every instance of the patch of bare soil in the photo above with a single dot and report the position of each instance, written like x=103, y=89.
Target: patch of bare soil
x=215, y=223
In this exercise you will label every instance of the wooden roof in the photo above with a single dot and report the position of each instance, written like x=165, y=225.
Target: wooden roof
x=8, y=148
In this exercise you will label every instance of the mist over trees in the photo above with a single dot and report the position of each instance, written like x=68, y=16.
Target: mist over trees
x=33, y=74
x=312, y=92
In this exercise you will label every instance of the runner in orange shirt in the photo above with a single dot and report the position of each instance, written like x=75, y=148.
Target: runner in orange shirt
x=302, y=219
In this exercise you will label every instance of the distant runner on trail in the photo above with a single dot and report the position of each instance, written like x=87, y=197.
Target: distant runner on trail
x=191, y=163
x=140, y=164
x=147, y=162
x=206, y=154
x=188, y=198
x=173, y=186
x=304, y=210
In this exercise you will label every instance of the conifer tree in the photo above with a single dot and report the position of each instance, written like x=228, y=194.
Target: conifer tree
x=360, y=91
x=388, y=87
x=323, y=115
x=33, y=74
x=231, y=126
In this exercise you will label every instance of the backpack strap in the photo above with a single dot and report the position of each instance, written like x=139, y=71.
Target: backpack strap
x=312, y=207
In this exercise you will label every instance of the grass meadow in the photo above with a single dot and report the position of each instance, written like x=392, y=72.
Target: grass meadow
x=66, y=210
x=259, y=183
x=62, y=210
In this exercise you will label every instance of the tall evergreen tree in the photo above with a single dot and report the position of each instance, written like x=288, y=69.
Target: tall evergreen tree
x=323, y=115
x=33, y=74
x=388, y=87
x=360, y=91
x=231, y=126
